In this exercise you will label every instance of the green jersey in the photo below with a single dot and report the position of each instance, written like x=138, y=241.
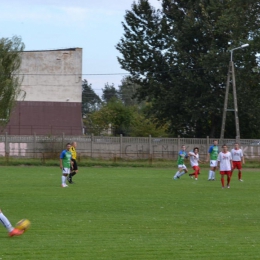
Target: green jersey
x=181, y=156
x=66, y=158
x=213, y=151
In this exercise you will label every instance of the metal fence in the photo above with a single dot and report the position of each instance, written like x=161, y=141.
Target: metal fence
x=105, y=147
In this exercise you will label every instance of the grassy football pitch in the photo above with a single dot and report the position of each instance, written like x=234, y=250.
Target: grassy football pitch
x=129, y=213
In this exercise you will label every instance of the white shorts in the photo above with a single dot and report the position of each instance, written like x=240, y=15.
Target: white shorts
x=213, y=163
x=182, y=166
x=65, y=170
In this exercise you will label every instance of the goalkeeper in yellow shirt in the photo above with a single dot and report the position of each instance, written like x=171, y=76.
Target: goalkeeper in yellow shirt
x=74, y=166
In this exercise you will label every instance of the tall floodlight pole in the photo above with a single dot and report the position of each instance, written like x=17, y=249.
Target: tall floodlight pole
x=231, y=73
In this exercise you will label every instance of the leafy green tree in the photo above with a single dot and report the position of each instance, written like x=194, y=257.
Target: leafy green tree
x=10, y=82
x=179, y=57
x=113, y=114
x=109, y=92
x=127, y=92
x=90, y=100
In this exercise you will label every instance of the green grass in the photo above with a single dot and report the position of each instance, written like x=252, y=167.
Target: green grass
x=113, y=162
x=129, y=213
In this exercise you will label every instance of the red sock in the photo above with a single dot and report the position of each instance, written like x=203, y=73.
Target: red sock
x=228, y=180
x=223, y=182
x=239, y=175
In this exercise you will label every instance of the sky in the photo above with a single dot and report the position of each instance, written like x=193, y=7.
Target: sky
x=95, y=26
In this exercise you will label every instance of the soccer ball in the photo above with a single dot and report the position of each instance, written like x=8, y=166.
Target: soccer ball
x=23, y=224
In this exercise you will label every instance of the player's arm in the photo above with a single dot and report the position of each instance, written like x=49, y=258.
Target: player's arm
x=61, y=163
x=208, y=154
x=218, y=164
x=61, y=157
x=231, y=164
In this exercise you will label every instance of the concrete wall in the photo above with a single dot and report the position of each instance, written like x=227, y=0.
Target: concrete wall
x=110, y=147
x=52, y=75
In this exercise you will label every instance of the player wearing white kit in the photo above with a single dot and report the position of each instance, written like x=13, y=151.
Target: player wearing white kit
x=238, y=159
x=194, y=162
x=225, y=165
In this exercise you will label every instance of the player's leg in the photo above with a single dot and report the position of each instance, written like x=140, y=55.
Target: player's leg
x=183, y=170
x=239, y=167
x=197, y=170
x=65, y=173
x=73, y=171
x=210, y=171
x=213, y=174
x=7, y=224
x=177, y=174
x=222, y=179
x=228, y=179
x=193, y=174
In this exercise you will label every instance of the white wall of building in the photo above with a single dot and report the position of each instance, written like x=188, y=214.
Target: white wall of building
x=53, y=75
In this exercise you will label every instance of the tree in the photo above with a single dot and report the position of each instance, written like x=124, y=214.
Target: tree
x=127, y=92
x=90, y=100
x=179, y=57
x=109, y=92
x=113, y=114
x=10, y=82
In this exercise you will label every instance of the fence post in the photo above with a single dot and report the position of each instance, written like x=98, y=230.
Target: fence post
x=34, y=145
x=121, y=146
x=6, y=148
x=150, y=150
x=91, y=146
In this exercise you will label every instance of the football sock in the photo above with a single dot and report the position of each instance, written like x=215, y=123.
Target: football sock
x=212, y=175
x=181, y=173
x=222, y=182
x=63, y=179
x=176, y=174
x=6, y=223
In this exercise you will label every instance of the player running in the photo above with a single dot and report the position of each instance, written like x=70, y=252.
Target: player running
x=238, y=159
x=225, y=165
x=182, y=169
x=213, y=155
x=194, y=162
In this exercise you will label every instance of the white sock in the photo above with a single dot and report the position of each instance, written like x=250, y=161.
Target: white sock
x=176, y=174
x=213, y=175
x=6, y=223
x=181, y=173
x=210, y=175
x=63, y=180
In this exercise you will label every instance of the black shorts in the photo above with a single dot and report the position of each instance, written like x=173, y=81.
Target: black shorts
x=75, y=166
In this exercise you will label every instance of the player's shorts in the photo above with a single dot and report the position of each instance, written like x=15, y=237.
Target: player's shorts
x=196, y=168
x=65, y=170
x=182, y=166
x=213, y=163
x=74, y=167
x=225, y=172
x=237, y=165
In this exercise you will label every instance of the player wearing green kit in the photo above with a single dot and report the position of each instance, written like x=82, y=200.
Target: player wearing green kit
x=182, y=169
x=213, y=156
x=65, y=164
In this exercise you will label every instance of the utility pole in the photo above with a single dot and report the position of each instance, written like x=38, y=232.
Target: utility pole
x=231, y=74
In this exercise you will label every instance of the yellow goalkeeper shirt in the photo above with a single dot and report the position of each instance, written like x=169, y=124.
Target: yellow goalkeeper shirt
x=73, y=153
